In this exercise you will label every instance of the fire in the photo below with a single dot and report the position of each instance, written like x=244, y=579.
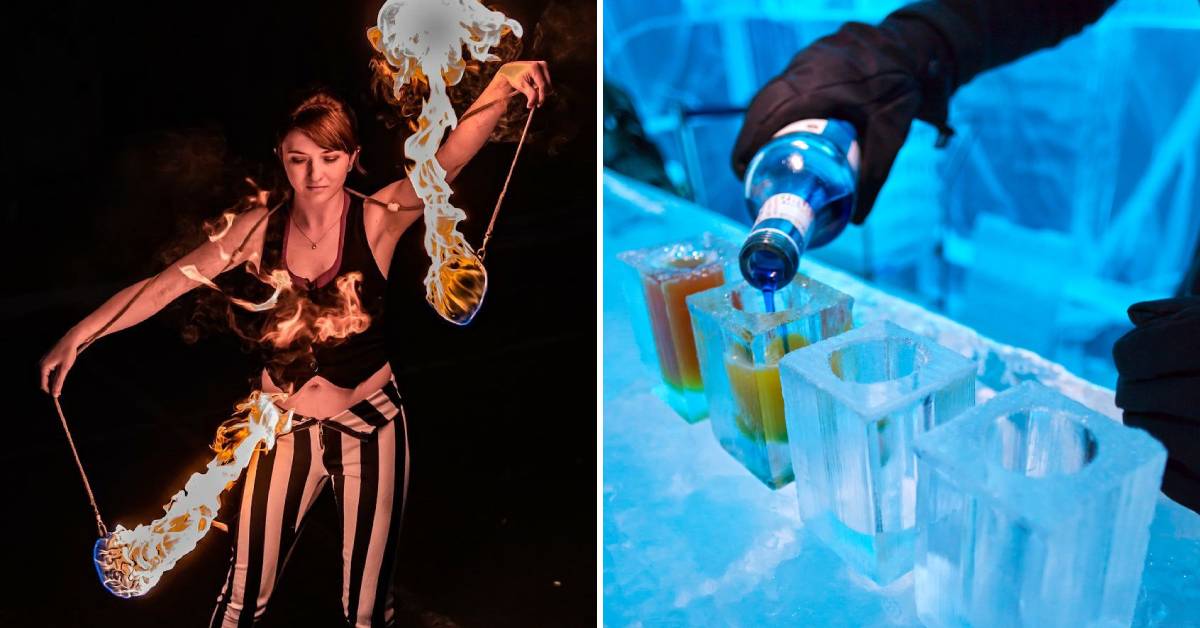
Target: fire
x=309, y=322
x=227, y=217
x=423, y=42
x=279, y=280
x=130, y=562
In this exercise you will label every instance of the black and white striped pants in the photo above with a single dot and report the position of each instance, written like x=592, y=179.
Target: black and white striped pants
x=365, y=454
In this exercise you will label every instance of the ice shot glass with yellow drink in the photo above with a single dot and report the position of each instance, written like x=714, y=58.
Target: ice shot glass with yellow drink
x=740, y=344
x=662, y=278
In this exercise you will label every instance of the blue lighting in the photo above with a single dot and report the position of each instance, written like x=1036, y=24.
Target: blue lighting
x=1068, y=193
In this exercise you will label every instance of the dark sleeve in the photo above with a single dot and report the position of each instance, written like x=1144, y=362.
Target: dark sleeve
x=983, y=34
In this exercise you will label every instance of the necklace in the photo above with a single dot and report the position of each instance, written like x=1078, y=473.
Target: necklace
x=310, y=240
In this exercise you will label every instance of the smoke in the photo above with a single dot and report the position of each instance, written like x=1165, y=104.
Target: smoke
x=564, y=36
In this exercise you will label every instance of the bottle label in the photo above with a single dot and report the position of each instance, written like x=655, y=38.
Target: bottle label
x=839, y=132
x=783, y=213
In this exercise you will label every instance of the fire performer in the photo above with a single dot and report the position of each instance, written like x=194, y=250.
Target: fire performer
x=342, y=393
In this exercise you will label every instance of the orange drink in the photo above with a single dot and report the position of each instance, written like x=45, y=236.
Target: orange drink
x=740, y=343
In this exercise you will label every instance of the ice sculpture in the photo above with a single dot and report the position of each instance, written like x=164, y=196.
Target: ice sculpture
x=739, y=347
x=853, y=405
x=1034, y=511
x=665, y=276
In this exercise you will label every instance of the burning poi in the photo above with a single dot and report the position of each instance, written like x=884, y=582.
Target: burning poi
x=334, y=320
x=426, y=46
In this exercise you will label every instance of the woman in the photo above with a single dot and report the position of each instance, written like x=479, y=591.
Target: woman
x=344, y=396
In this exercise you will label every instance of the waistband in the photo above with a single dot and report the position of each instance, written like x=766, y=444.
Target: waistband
x=361, y=419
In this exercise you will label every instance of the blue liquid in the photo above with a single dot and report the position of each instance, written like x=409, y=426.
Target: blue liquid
x=769, y=304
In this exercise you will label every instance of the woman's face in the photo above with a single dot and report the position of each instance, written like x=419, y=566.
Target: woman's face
x=317, y=174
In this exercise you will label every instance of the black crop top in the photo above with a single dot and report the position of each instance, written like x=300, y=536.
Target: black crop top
x=345, y=362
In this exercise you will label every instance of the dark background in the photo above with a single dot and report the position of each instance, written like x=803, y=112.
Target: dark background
x=127, y=126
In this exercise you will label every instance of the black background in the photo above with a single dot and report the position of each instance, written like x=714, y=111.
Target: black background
x=126, y=126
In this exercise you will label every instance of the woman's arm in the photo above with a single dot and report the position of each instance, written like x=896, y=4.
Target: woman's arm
x=530, y=78
x=155, y=293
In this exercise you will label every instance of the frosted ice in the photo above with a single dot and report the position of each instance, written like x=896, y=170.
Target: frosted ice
x=854, y=403
x=663, y=277
x=739, y=346
x=1035, y=511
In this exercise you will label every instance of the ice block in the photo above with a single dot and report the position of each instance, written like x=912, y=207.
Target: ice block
x=853, y=405
x=665, y=276
x=1035, y=511
x=740, y=345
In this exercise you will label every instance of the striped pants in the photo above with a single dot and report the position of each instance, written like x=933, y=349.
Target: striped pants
x=364, y=452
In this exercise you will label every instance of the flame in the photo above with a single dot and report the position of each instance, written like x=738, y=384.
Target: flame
x=348, y=318
x=130, y=562
x=425, y=45
x=191, y=272
x=278, y=279
x=309, y=322
x=228, y=218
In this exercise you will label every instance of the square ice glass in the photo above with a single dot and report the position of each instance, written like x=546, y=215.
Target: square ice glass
x=740, y=344
x=1035, y=511
x=853, y=406
x=661, y=278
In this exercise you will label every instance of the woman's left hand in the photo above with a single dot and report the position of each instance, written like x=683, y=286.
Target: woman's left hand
x=531, y=78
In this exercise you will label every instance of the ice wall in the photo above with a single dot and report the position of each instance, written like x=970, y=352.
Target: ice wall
x=1088, y=152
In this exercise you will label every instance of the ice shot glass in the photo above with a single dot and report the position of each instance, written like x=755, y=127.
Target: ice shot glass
x=1035, y=511
x=853, y=406
x=662, y=277
x=740, y=344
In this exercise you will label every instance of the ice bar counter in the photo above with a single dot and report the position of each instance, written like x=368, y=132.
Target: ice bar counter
x=740, y=344
x=692, y=537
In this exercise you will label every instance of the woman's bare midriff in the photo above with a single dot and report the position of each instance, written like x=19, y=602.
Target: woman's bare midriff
x=321, y=399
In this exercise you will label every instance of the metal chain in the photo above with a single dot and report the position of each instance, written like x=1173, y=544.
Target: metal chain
x=496, y=212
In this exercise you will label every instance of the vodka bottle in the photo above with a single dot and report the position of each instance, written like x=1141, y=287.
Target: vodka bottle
x=800, y=191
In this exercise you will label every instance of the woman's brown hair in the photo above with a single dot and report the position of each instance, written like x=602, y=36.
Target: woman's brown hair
x=327, y=120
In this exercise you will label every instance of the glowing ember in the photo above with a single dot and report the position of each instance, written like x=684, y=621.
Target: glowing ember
x=130, y=562
x=423, y=40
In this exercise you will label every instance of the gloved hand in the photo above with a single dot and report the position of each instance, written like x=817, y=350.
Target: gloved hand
x=878, y=78
x=1158, y=387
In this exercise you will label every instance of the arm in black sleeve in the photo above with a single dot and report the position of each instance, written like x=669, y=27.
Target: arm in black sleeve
x=880, y=78
x=984, y=34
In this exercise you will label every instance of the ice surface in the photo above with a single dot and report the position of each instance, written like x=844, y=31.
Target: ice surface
x=740, y=345
x=663, y=276
x=854, y=403
x=1034, y=511
x=691, y=539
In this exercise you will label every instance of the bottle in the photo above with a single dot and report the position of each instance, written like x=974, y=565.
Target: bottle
x=800, y=192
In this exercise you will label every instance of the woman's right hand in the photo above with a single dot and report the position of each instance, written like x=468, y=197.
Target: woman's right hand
x=57, y=362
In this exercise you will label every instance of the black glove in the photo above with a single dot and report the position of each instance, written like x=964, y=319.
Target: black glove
x=1158, y=387
x=878, y=78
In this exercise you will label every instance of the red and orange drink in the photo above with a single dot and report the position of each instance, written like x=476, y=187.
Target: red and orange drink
x=667, y=276
x=672, y=324
x=741, y=344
